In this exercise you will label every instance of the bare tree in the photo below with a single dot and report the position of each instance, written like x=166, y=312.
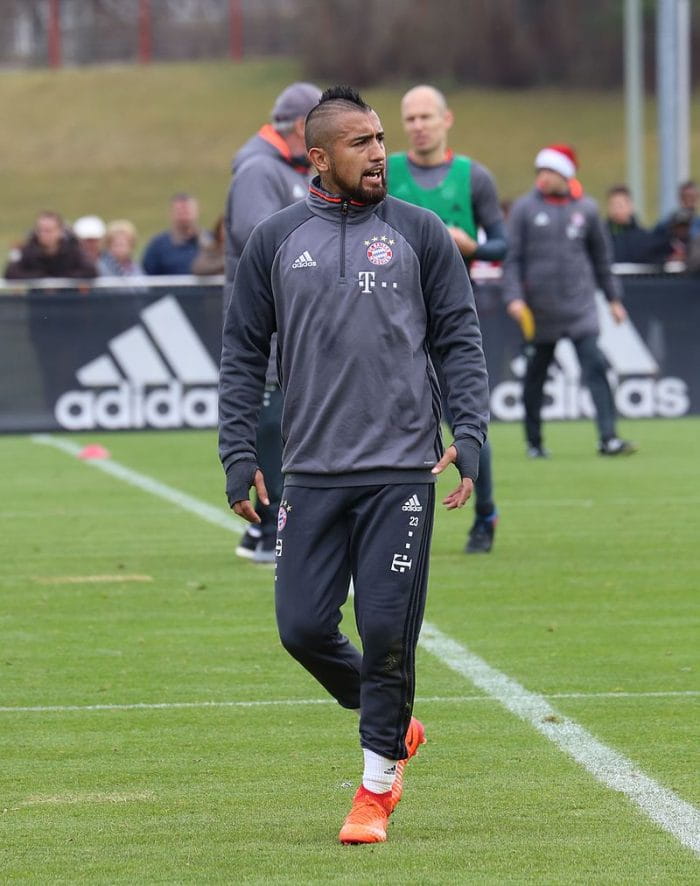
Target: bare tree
x=512, y=43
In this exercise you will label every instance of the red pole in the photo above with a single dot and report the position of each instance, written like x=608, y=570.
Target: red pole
x=235, y=30
x=55, y=33
x=145, y=42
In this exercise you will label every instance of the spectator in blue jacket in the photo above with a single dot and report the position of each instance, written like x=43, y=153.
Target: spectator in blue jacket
x=173, y=251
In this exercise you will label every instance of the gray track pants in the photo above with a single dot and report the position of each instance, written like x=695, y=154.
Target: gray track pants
x=380, y=537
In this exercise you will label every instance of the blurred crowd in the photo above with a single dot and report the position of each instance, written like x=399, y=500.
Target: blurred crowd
x=674, y=238
x=90, y=248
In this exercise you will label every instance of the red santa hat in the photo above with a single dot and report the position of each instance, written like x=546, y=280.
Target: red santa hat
x=560, y=158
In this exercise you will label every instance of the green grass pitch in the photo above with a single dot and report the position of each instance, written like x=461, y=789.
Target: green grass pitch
x=111, y=597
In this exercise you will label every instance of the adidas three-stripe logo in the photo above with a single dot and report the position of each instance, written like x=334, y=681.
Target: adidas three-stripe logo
x=413, y=504
x=305, y=260
x=142, y=362
x=156, y=374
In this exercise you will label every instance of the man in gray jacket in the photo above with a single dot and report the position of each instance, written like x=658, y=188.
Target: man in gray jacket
x=271, y=171
x=558, y=255
x=365, y=293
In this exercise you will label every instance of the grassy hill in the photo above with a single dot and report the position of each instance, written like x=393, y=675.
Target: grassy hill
x=118, y=141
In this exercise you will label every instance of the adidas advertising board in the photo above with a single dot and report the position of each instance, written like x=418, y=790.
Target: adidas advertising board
x=638, y=370
x=156, y=374
x=114, y=360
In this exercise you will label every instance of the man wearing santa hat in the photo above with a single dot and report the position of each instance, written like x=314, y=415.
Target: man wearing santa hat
x=558, y=256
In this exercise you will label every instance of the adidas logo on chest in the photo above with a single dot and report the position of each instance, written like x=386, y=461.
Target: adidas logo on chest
x=305, y=260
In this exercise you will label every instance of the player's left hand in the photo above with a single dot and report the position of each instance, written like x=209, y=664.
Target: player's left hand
x=467, y=245
x=618, y=311
x=461, y=495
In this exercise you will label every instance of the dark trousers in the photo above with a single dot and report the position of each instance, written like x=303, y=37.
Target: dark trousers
x=269, y=448
x=483, y=487
x=593, y=374
x=380, y=537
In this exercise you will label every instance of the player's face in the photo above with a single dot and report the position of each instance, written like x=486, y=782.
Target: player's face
x=356, y=163
x=550, y=182
x=425, y=121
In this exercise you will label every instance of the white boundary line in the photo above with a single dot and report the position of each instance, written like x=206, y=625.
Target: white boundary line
x=301, y=702
x=207, y=512
x=609, y=767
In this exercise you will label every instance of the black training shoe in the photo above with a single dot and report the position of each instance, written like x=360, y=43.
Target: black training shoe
x=248, y=544
x=480, y=540
x=265, y=551
x=537, y=452
x=616, y=446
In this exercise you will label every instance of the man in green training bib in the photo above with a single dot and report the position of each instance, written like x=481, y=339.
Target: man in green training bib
x=463, y=194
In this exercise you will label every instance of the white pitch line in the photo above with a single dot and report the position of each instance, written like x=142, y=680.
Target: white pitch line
x=301, y=702
x=611, y=768
x=141, y=481
x=537, y=503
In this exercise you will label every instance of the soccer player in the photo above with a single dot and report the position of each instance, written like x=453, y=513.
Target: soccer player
x=463, y=193
x=271, y=171
x=380, y=295
x=559, y=254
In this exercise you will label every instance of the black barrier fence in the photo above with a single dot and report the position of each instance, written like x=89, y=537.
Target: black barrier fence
x=109, y=359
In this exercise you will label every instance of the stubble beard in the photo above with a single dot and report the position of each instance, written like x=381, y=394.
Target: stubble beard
x=358, y=192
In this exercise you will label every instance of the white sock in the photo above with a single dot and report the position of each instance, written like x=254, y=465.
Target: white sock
x=379, y=773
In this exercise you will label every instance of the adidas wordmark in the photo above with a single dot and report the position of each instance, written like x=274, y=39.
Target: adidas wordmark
x=413, y=504
x=305, y=260
x=157, y=374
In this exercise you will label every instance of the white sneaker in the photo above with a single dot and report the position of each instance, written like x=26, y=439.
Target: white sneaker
x=247, y=545
x=616, y=446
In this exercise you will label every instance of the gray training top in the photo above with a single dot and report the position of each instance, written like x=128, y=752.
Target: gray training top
x=364, y=300
x=265, y=180
x=558, y=254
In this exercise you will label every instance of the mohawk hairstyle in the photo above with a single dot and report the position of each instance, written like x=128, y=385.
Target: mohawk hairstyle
x=335, y=99
x=343, y=93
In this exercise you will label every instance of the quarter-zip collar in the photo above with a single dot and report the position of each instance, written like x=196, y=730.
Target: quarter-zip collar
x=335, y=207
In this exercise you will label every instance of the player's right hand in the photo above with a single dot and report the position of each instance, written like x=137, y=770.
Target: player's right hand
x=520, y=311
x=244, y=508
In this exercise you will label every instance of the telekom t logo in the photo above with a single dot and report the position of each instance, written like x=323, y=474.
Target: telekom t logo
x=366, y=280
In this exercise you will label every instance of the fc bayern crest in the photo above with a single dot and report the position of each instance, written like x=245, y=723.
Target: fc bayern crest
x=379, y=253
x=281, y=519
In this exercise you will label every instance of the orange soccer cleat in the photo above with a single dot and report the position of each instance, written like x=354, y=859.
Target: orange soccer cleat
x=415, y=736
x=367, y=819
